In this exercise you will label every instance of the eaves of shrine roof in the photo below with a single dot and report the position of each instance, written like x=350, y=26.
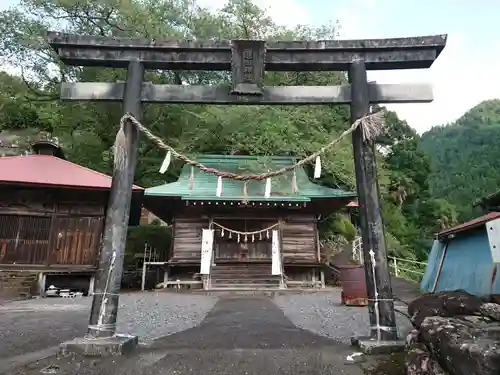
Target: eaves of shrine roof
x=205, y=184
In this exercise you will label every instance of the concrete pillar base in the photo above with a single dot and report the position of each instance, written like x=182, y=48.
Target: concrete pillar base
x=368, y=345
x=101, y=347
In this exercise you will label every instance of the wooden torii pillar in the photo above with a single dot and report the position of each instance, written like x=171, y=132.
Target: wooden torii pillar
x=247, y=60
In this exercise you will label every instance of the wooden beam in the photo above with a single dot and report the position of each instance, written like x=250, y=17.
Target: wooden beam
x=327, y=55
x=379, y=93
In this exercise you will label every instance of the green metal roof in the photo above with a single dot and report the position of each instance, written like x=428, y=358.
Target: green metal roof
x=205, y=184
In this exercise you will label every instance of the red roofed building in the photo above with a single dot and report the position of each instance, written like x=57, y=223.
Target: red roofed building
x=52, y=213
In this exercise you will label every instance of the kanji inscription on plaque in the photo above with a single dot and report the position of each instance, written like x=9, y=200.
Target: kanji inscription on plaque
x=248, y=66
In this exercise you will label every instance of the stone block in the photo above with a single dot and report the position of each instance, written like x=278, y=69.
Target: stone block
x=370, y=346
x=100, y=347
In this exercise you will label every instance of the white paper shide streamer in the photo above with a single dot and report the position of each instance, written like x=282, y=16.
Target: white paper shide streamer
x=219, y=186
x=207, y=243
x=276, y=259
x=267, y=192
x=317, y=167
x=166, y=163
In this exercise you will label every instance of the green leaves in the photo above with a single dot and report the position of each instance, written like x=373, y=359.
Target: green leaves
x=410, y=213
x=464, y=157
x=87, y=130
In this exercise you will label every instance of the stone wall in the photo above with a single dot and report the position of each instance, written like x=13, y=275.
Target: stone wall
x=454, y=333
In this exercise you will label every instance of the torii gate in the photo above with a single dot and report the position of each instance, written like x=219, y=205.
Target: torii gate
x=247, y=60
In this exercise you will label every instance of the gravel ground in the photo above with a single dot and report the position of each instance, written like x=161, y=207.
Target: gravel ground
x=241, y=335
x=154, y=315
x=323, y=314
x=33, y=325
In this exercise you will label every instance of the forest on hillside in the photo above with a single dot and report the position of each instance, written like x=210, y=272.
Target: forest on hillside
x=29, y=104
x=464, y=155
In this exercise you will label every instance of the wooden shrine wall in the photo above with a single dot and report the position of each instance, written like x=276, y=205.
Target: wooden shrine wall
x=186, y=234
x=258, y=248
x=50, y=228
x=299, y=238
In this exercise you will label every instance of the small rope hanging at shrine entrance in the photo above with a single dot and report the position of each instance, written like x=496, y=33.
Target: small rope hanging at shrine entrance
x=120, y=146
x=371, y=125
x=245, y=236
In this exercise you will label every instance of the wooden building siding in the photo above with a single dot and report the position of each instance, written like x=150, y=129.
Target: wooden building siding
x=77, y=241
x=187, y=239
x=299, y=239
x=260, y=249
x=43, y=227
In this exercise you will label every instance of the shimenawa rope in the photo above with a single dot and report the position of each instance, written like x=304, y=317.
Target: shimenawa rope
x=371, y=126
x=246, y=233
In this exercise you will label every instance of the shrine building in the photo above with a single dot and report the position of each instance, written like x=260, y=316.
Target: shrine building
x=250, y=238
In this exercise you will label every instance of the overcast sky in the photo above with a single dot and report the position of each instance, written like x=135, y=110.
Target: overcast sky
x=466, y=73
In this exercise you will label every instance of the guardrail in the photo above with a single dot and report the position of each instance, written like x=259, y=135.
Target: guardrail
x=410, y=269
x=406, y=271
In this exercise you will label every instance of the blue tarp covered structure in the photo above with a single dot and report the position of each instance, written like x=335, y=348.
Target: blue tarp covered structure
x=467, y=262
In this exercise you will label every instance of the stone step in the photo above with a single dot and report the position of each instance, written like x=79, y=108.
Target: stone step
x=235, y=265
x=243, y=281
x=244, y=286
x=245, y=275
x=242, y=275
x=246, y=269
x=302, y=286
x=249, y=267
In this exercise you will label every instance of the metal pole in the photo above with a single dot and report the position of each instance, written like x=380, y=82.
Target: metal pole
x=108, y=277
x=380, y=302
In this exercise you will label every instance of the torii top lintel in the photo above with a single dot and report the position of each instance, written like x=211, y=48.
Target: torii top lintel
x=326, y=55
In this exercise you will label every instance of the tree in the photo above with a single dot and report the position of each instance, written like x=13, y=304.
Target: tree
x=411, y=213
x=87, y=130
x=465, y=164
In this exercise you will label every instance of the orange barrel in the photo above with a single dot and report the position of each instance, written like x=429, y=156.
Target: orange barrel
x=353, y=281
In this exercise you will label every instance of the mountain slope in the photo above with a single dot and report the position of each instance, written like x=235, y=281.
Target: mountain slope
x=465, y=157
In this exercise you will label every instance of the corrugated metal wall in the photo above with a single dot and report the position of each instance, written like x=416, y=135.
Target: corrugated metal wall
x=467, y=265
x=433, y=260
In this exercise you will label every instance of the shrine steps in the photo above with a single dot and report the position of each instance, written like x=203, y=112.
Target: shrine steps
x=243, y=276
